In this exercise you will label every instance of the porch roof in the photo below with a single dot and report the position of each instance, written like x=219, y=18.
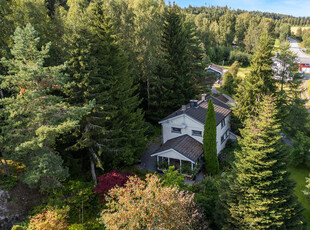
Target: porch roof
x=184, y=145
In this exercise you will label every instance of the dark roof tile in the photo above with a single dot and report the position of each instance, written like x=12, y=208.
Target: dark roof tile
x=215, y=68
x=186, y=145
x=199, y=113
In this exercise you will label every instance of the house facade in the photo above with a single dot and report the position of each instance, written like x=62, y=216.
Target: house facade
x=215, y=69
x=182, y=131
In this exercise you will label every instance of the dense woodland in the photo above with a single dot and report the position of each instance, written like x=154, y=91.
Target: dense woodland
x=83, y=84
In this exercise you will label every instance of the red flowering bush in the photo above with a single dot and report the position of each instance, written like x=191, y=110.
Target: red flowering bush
x=108, y=181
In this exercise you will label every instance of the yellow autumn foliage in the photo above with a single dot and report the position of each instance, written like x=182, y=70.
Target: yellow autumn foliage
x=147, y=204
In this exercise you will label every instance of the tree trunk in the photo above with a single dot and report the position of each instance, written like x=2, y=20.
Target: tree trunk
x=93, y=172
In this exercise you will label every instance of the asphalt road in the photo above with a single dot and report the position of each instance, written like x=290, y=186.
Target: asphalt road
x=296, y=50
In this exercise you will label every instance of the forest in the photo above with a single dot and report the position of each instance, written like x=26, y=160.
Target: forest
x=83, y=84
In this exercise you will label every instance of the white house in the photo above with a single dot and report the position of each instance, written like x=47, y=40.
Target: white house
x=183, y=132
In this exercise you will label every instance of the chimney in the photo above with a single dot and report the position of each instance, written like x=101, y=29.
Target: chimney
x=183, y=108
x=203, y=96
x=193, y=103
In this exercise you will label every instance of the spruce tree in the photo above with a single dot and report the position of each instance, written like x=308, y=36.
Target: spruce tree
x=173, y=84
x=113, y=133
x=230, y=79
x=209, y=141
x=34, y=115
x=259, y=193
x=258, y=83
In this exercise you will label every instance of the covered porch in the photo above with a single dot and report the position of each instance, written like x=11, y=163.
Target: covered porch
x=182, y=152
x=184, y=166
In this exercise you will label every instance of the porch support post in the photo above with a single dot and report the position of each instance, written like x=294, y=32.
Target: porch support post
x=180, y=166
x=192, y=165
x=157, y=159
x=168, y=161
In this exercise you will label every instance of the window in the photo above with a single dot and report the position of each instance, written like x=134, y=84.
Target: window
x=175, y=130
x=225, y=136
x=196, y=133
x=223, y=123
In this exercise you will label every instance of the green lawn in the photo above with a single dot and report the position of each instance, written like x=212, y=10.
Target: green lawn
x=242, y=72
x=298, y=174
x=277, y=44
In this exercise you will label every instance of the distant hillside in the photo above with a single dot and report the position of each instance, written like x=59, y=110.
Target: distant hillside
x=215, y=12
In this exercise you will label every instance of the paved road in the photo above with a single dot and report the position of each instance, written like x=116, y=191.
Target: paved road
x=296, y=50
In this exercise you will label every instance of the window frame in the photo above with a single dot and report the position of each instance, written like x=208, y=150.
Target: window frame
x=176, y=130
x=197, y=131
x=223, y=123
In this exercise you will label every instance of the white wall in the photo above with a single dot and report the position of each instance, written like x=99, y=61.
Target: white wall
x=188, y=124
x=220, y=132
x=177, y=122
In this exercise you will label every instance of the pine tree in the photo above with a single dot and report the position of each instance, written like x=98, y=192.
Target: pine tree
x=258, y=83
x=209, y=141
x=259, y=193
x=113, y=133
x=33, y=113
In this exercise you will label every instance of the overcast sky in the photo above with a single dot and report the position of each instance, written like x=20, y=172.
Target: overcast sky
x=290, y=7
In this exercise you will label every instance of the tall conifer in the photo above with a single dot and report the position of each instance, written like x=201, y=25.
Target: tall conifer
x=258, y=83
x=114, y=131
x=33, y=113
x=173, y=84
x=259, y=194
x=209, y=141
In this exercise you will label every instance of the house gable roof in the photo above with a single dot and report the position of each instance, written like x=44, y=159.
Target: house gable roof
x=215, y=68
x=199, y=113
x=184, y=145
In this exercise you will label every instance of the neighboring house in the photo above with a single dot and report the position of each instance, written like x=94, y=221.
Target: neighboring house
x=215, y=69
x=304, y=68
x=183, y=132
x=304, y=65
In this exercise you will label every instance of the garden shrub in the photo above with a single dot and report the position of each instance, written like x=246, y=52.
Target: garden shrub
x=108, y=181
x=50, y=219
x=147, y=204
x=81, y=199
x=7, y=182
x=243, y=58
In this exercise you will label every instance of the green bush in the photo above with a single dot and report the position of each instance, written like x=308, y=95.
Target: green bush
x=227, y=156
x=7, y=183
x=163, y=164
x=186, y=168
x=84, y=204
x=243, y=58
x=207, y=198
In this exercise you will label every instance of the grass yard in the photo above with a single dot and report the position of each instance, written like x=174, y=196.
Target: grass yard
x=242, y=72
x=295, y=28
x=298, y=174
x=277, y=44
